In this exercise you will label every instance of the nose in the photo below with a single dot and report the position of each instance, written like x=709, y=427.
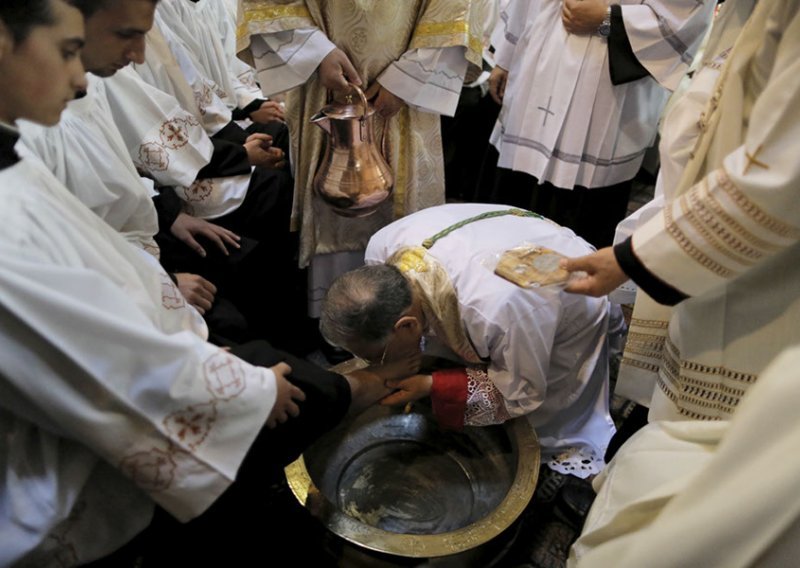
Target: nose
x=78, y=80
x=136, y=51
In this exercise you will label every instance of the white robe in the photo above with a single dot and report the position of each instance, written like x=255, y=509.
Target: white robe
x=547, y=350
x=171, y=67
x=202, y=27
x=167, y=143
x=699, y=493
x=728, y=233
x=110, y=397
x=562, y=120
x=87, y=154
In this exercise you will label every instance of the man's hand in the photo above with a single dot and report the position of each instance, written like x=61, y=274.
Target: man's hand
x=408, y=390
x=603, y=273
x=583, y=17
x=285, y=405
x=261, y=153
x=186, y=228
x=335, y=71
x=386, y=103
x=269, y=111
x=498, y=79
x=198, y=291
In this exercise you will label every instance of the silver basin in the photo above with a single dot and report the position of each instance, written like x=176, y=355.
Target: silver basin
x=395, y=483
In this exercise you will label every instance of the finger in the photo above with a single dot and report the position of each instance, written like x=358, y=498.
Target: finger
x=293, y=410
x=296, y=393
x=194, y=245
x=206, y=297
x=282, y=369
x=582, y=263
x=350, y=72
x=271, y=423
x=282, y=416
x=585, y=286
x=210, y=287
x=228, y=233
x=372, y=91
x=215, y=238
x=201, y=304
x=397, y=398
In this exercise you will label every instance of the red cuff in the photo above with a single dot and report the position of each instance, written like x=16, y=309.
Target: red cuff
x=449, y=397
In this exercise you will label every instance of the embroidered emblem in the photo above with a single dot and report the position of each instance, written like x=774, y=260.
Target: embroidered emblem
x=192, y=425
x=225, y=376
x=153, y=157
x=413, y=259
x=752, y=161
x=171, y=297
x=173, y=134
x=200, y=190
x=152, y=470
x=203, y=97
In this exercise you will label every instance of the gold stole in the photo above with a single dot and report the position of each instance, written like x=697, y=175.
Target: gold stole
x=438, y=296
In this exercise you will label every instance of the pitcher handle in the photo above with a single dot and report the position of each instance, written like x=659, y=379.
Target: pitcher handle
x=361, y=96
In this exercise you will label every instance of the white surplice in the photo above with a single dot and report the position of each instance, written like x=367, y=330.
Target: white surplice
x=547, y=350
x=87, y=154
x=728, y=233
x=169, y=144
x=716, y=494
x=171, y=67
x=562, y=120
x=202, y=27
x=110, y=397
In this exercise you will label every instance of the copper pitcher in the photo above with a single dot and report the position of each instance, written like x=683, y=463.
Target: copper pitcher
x=353, y=177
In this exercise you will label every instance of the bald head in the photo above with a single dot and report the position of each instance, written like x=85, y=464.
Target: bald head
x=364, y=304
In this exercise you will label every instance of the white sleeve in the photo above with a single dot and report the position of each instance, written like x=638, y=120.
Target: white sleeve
x=429, y=79
x=284, y=60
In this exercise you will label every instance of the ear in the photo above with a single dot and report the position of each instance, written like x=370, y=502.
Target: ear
x=407, y=324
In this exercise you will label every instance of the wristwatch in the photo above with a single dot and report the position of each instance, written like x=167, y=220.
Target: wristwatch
x=605, y=27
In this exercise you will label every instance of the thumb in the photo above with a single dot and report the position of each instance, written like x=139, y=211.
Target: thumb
x=282, y=369
x=399, y=397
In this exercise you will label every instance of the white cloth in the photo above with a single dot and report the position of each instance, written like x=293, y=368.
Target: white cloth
x=699, y=493
x=285, y=60
x=87, y=154
x=167, y=143
x=562, y=120
x=110, y=397
x=547, y=349
x=171, y=67
x=202, y=26
x=728, y=233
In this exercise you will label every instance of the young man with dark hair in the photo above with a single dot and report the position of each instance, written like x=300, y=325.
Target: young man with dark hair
x=112, y=404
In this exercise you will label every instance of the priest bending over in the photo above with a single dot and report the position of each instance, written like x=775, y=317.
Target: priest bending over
x=532, y=351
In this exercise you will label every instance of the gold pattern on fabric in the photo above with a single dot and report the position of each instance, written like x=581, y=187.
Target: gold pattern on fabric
x=438, y=296
x=701, y=392
x=704, y=227
x=689, y=247
x=709, y=200
x=261, y=16
x=447, y=34
x=753, y=211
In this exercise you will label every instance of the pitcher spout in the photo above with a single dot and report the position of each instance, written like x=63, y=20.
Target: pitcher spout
x=321, y=120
